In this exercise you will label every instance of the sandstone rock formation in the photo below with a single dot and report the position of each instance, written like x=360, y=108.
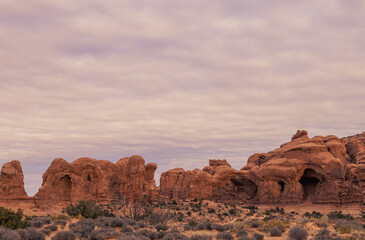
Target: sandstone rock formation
x=318, y=170
x=178, y=183
x=98, y=180
x=12, y=182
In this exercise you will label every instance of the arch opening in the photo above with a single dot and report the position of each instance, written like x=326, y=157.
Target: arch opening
x=245, y=188
x=65, y=187
x=282, y=186
x=309, y=181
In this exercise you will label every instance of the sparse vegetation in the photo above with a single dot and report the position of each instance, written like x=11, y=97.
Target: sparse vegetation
x=87, y=209
x=12, y=220
x=170, y=220
x=298, y=233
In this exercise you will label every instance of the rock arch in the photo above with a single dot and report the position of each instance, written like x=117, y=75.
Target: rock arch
x=64, y=187
x=245, y=188
x=310, y=180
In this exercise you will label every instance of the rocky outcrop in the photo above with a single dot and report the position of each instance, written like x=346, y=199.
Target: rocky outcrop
x=99, y=180
x=180, y=184
x=318, y=170
x=12, y=182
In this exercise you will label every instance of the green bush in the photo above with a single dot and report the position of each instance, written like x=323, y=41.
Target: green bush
x=314, y=214
x=12, y=220
x=87, y=209
x=340, y=215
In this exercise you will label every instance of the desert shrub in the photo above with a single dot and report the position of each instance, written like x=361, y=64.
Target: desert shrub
x=83, y=228
x=87, y=209
x=64, y=235
x=200, y=237
x=314, y=214
x=23, y=233
x=141, y=224
x=211, y=210
x=192, y=223
x=60, y=217
x=61, y=223
x=340, y=215
x=228, y=226
x=322, y=222
x=242, y=233
x=7, y=234
x=52, y=228
x=153, y=235
x=156, y=218
x=233, y=211
x=246, y=238
x=254, y=224
x=33, y=234
x=298, y=233
x=136, y=227
x=161, y=227
x=219, y=228
x=130, y=221
x=258, y=236
x=36, y=223
x=46, y=232
x=275, y=231
x=12, y=220
x=343, y=229
x=174, y=236
x=224, y=236
x=160, y=235
x=116, y=222
x=187, y=227
x=104, y=233
x=205, y=226
x=345, y=226
x=127, y=229
x=322, y=234
x=273, y=223
x=39, y=222
x=144, y=232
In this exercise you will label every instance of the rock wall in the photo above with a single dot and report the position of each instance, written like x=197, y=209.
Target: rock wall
x=317, y=170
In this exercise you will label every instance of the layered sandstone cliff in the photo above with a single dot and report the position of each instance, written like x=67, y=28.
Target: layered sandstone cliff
x=318, y=170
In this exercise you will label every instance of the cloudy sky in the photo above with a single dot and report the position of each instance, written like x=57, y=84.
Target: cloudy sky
x=178, y=82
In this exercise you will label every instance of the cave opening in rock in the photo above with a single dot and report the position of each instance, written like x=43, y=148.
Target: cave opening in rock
x=282, y=186
x=65, y=187
x=245, y=188
x=309, y=181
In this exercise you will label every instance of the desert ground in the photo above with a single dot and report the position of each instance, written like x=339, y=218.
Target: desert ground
x=194, y=219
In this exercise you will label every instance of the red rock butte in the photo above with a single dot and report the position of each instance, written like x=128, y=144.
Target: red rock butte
x=315, y=170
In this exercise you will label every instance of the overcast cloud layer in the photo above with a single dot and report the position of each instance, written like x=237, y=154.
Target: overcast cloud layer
x=178, y=82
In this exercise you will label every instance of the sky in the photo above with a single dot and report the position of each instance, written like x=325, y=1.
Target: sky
x=177, y=82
